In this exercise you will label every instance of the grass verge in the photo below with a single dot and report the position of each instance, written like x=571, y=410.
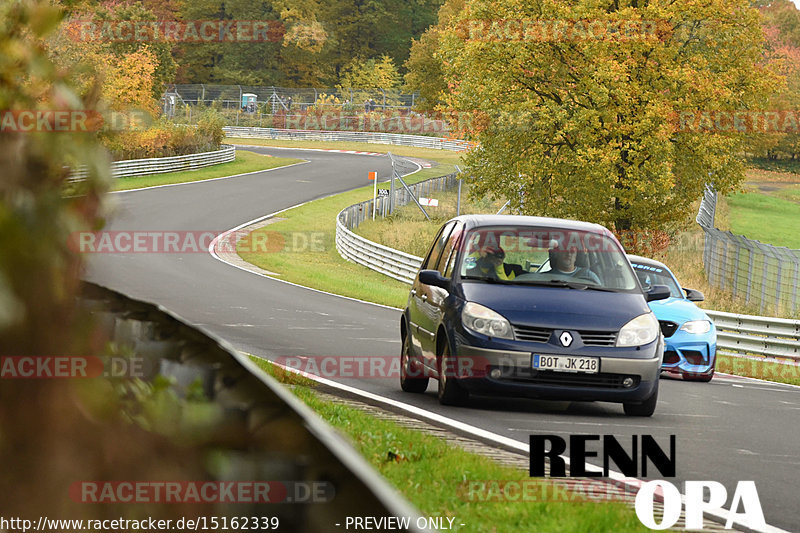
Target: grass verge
x=766, y=218
x=244, y=162
x=309, y=255
x=445, y=481
x=765, y=370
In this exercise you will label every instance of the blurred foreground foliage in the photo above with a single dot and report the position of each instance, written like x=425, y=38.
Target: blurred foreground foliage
x=56, y=432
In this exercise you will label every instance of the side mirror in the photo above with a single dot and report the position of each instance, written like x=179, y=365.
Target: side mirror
x=656, y=292
x=435, y=278
x=694, y=295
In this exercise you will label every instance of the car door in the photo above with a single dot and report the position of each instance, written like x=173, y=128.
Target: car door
x=422, y=315
x=435, y=304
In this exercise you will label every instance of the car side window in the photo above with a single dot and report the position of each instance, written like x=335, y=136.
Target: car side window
x=436, y=249
x=448, y=260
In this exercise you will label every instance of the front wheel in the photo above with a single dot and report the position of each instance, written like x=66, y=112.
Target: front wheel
x=450, y=392
x=645, y=408
x=409, y=381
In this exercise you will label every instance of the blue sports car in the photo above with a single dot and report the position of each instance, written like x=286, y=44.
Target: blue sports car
x=690, y=338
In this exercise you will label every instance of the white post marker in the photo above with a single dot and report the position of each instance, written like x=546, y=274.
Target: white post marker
x=374, y=177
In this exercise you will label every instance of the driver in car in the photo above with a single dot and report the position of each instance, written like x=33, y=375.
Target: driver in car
x=562, y=262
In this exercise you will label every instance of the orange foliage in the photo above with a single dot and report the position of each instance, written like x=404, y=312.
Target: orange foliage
x=129, y=80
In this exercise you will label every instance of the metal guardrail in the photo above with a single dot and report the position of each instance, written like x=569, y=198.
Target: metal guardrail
x=157, y=165
x=418, y=141
x=270, y=434
x=388, y=261
x=393, y=263
x=757, y=335
x=745, y=267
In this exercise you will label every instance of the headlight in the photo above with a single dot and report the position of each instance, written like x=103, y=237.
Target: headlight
x=697, y=327
x=641, y=330
x=483, y=320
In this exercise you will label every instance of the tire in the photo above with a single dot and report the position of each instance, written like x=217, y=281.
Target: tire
x=450, y=392
x=645, y=408
x=409, y=384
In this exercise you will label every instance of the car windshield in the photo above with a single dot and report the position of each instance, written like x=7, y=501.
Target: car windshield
x=654, y=275
x=553, y=257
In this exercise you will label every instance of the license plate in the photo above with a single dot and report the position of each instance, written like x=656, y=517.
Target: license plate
x=566, y=363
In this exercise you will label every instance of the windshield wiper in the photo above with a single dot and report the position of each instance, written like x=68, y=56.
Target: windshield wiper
x=566, y=283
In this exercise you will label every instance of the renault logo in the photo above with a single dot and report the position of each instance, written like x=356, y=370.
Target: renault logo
x=565, y=338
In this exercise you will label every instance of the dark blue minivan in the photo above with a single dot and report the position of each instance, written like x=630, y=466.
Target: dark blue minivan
x=531, y=307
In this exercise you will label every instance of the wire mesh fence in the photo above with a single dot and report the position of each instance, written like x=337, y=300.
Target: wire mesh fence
x=269, y=99
x=759, y=272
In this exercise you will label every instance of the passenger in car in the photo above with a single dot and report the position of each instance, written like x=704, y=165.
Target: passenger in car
x=490, y=265
x=563, y=262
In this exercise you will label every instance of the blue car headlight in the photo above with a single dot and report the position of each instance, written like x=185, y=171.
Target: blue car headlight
x=696, y=327
x=483, y=320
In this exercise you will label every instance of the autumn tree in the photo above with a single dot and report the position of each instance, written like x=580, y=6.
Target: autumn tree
x=425, y=73
x=317, y=41
x=782, y=31
x=581, y=103
x=370, y=74
x=145, y=59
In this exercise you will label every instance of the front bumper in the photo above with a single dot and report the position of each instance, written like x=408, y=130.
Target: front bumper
x=686, y=355
x=518, y=379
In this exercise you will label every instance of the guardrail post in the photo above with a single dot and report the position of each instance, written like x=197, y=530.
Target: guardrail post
x=724, y=264
x=736, y=269
x=794, y=285
x=764, y=268
x=750, y=262
x=778, y=284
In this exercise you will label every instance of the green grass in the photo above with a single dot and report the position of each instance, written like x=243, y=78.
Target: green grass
x=441, y=156
x=765, y=370
x=790, y=193
x=245, y=162
x=321, y=266
x=434, y=476
x=284, y=376
x=765, y=218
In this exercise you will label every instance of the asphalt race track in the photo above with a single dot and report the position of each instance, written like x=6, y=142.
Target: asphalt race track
x=728, y=430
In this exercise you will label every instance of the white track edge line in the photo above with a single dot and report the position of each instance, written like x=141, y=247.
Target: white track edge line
x=213, y=246
x=617, y=477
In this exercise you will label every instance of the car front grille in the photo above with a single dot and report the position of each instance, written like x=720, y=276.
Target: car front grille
x=532, y=334
x=570, y=379
x=668, y=328
x=589, y=338
x=598, y=338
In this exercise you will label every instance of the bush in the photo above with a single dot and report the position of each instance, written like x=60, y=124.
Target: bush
x=165, y=139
